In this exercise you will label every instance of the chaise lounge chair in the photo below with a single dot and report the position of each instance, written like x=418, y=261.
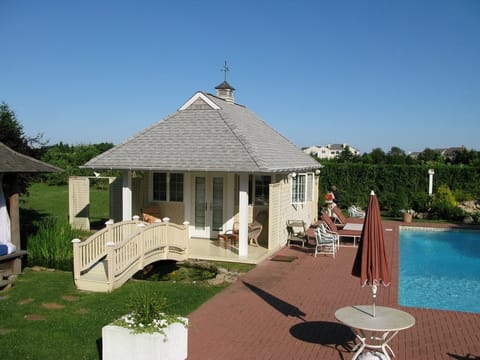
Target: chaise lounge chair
x=355, y=212
x=340, y=219
x=353, y=231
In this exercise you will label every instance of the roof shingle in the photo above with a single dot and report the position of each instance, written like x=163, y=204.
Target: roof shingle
x=200, y=138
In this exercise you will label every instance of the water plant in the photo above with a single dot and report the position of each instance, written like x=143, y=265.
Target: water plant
x=148, y=313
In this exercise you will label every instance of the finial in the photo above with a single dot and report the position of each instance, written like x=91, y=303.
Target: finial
x=225, y=69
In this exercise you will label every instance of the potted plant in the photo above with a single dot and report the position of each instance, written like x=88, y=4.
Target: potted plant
x=147, y=332
x=408, y=215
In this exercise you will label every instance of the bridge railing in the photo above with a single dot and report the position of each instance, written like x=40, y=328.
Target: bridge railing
x=129, y=246
x=87, y=253
x=150, y=243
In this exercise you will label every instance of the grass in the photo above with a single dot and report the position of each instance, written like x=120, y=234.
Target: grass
x=45, y=200
x=74, y=331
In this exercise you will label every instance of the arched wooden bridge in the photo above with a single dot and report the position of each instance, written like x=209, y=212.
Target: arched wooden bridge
x=111, y=256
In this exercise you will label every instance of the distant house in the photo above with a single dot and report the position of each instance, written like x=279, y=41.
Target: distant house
x=214, y=163
x=330, y=151
x=445, y=153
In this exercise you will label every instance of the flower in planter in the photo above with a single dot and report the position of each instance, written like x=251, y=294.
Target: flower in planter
x=147, y=315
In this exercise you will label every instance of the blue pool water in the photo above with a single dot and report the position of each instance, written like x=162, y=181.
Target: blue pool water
x=440, y=270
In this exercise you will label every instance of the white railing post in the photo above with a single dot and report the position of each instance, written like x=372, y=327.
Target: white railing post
x=109, y=225
x=76, y=258
x=110, y=264
x=186, y=236
x=166, y=220
x=136, y=218
x=141, y=245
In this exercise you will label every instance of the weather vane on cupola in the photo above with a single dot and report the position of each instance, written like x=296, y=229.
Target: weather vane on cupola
x=225, y=90
x=225, y=69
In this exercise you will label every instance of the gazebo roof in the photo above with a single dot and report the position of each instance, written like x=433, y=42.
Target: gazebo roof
x=14, y=162
x=207, y=134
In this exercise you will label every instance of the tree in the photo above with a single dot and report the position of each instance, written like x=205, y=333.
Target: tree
x=346, y=155
x=429, y=155
x=378, y=156
x=12, y=135
x=396, y=156
x=70, y=158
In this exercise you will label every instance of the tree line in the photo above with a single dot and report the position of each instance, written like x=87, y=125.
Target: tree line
x=397, y=156
x=402, y=181
x=67, y=157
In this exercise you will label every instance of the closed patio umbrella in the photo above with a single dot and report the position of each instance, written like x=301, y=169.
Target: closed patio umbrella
x=370, y=263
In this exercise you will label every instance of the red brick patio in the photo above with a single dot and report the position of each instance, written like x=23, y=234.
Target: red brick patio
x=285, y=310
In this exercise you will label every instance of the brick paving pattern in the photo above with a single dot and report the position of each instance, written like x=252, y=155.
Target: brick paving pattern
x=285, y=310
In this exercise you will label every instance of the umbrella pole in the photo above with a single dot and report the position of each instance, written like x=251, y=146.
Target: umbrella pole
x=374, y=295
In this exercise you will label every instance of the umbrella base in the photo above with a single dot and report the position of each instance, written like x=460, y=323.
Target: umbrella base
x=372, y=355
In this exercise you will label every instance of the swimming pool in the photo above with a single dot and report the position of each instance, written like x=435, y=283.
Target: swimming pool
x=440, y=270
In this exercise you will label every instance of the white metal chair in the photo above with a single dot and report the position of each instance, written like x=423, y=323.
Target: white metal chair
x=353, y=211
x=329, y=233
x=326, y=242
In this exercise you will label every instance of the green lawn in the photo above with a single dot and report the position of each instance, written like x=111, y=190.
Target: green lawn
x=72, y=328
x=73, y=331
x=53, y=200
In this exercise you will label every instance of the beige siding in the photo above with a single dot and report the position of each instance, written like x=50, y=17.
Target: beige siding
x=79, y=202
x=282, y=210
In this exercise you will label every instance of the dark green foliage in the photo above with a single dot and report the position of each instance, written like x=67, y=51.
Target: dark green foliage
x=51, y=246
x=399, y=186
x=13, y=136
x=70, y=158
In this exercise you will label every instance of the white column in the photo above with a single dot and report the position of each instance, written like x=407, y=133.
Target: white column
x=430, y=181
x=127, y=195
x=243, y=216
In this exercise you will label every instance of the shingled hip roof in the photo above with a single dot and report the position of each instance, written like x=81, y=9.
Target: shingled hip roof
x=12, y=161
x=207, y=134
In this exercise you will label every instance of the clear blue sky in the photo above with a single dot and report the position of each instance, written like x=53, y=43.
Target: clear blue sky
x=370, y=73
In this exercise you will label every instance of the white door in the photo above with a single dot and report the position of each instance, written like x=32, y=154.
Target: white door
x=208, y=205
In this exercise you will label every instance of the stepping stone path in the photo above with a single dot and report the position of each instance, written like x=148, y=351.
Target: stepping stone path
x=34, y=317
x=25, y=301
x=53, y=306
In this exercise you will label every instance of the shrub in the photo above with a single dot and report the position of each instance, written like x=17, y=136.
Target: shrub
x=420, y=202
x=51, y=246
x=444, y=205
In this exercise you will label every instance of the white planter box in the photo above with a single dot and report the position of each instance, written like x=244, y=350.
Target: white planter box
x=119, y=343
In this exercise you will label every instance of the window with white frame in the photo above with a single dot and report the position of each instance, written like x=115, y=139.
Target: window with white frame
x=302, y=188
x=298, y=188
x=168, y=187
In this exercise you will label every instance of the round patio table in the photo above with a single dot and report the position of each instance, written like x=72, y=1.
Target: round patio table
x=387, y=321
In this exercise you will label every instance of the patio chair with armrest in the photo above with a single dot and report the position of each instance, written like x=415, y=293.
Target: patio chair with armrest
x=297, y=232
x=325, y=242
x=324, y=230
x=254, y=231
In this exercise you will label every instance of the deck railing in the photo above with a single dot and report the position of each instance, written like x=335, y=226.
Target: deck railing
x=129, y=246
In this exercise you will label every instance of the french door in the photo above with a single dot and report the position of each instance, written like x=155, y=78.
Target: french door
x=209, y=205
